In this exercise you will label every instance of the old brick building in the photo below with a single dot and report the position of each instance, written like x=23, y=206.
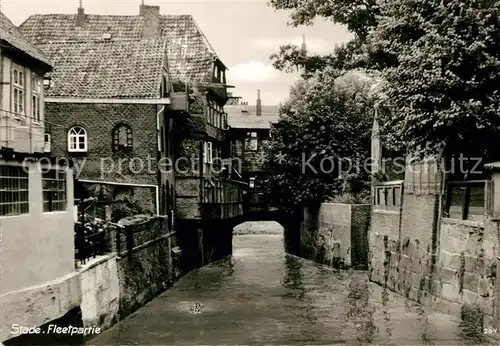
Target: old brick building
x=113, y=82
x=114, y=71
x=250, y=130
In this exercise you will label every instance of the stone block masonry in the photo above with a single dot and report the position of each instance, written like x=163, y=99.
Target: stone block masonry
x=460, y=278
x=336, y=234
x=103, y=290
x=449, y=264
x=144, y=265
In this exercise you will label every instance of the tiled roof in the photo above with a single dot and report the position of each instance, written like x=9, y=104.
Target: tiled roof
x=238, y=119
x=189, y=52
x=11, y=34
x=106, y=69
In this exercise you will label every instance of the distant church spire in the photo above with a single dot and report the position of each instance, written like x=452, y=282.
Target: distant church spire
x=303, y=49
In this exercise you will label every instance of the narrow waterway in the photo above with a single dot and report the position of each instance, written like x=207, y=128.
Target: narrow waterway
x=262, y=295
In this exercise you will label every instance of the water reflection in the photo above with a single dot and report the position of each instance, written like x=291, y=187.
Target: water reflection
x=361, y=311
x=384, y=298
x=294, y=281
x=293, y=276
x=471, y=326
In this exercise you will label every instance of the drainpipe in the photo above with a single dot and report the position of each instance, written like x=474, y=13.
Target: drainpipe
x=158, y=126
x=162, y=109
x=157, y=199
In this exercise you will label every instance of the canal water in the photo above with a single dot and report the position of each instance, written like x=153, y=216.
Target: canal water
x=262, y=295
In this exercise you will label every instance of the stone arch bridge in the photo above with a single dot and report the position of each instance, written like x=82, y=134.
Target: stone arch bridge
x=211, y=237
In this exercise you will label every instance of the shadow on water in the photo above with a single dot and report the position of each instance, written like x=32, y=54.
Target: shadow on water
x=213, y=275
x=293, y=277
x=294, y=281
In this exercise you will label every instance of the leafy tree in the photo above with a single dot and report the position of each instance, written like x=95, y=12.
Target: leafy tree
x=323, y=134
x=443, y=89
x=439, y=58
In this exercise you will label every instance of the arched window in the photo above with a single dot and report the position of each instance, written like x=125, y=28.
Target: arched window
x=77, y=139
x=122, y=138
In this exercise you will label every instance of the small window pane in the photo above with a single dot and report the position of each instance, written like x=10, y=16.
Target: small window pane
x=13, y=191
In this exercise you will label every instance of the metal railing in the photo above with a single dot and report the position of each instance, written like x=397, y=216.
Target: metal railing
x=466, y=200
x=93, y=237
x=388, y=194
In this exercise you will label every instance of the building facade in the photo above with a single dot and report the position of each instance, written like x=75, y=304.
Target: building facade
x=249, y=133
x=112, y=91
x=36, y=196
x=192, y=134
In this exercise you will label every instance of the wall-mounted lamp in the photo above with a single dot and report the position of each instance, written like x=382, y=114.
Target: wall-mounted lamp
x=252, y=183
x=47, y=82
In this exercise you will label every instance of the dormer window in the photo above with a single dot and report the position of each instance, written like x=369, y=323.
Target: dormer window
x=18, y=82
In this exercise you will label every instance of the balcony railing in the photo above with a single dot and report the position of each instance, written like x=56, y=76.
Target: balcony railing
x=223, y=191
x=222, y=198
x=466, y=200
x=388, y=195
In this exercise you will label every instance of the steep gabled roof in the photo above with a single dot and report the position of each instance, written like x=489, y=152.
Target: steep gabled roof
x=11, y=34
x=106, y=69
x=190, y=54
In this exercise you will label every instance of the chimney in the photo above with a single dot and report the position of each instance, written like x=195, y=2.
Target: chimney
x=258, y=108
x=151, y=15
x=81, y=17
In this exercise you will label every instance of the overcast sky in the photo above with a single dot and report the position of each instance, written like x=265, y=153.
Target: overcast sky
x=243, y=33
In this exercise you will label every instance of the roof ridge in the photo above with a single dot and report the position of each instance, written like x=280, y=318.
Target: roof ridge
x=203, y=36
x=100, y=15
x=91, y=40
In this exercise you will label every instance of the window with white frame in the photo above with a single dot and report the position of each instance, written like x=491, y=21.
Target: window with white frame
x=77, y=139
x=36, y=86
x=14, y=197
x=18, y=91
x=207, y=152
x=54, y=190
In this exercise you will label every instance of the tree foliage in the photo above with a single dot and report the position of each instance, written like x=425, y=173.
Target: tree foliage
x=439, y=58
x=443, y=89
x=324, y=131
x=358, y=16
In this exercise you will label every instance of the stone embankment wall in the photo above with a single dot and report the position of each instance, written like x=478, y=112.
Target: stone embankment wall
x=336, y=234
x=445, y=263
x=143, y=266
x=459, y=280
